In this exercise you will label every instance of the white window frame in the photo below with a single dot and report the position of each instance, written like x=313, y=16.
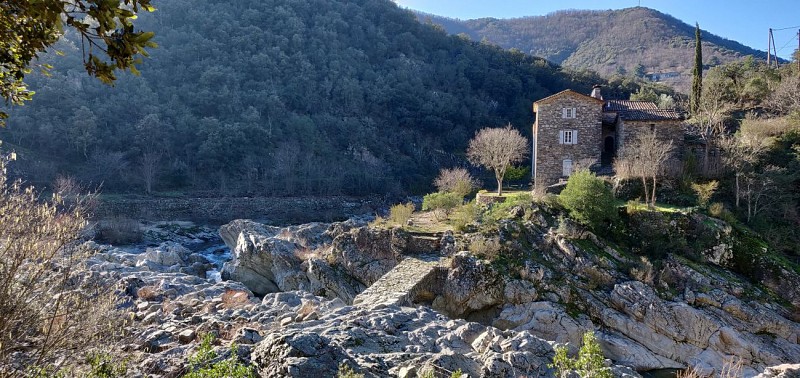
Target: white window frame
x=568, y=137
x=569, y=113
x=566, y=167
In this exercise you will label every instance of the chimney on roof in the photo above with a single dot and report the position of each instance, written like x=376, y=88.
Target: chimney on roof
x=596, y=92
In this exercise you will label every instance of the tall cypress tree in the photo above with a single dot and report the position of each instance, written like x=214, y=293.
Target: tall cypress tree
x=697, y=79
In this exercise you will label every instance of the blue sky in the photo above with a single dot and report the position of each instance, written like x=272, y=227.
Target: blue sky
x=744, y=21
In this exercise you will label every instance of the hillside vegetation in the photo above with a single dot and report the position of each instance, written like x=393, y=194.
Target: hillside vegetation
x=632, y=40
x=278, y=97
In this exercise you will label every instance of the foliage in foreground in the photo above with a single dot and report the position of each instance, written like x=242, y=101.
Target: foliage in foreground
x=202, y=364
x=588, y=199
x=29, y=28
x=51, y=309
x=589, y=363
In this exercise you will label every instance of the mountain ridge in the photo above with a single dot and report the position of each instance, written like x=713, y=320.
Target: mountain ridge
x=606, y=41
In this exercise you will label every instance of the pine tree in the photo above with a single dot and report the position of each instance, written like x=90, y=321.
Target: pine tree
x=697, y=78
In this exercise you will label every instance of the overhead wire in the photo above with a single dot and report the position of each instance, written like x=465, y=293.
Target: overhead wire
x=791, y=27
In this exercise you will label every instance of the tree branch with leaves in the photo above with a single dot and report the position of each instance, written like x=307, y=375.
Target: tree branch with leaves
x=108, y=39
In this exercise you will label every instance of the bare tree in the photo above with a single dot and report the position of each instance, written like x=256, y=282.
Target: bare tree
x=497, y=149
x=786, y=97
x=741, y=152
x=645, y=157
x=149, y=169
x=710, y=114
x=761, y=190
x=455, y=180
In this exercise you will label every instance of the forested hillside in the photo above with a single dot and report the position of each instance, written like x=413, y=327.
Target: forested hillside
x=278, y=97
x=628, y=41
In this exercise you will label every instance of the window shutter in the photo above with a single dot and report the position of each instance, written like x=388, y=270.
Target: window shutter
x=561, y=137
x=574, y=136
x=563, y=112
x=574, y=112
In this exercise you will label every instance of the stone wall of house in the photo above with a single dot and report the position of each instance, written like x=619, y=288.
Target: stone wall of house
x=666, y=131
x=550, y=154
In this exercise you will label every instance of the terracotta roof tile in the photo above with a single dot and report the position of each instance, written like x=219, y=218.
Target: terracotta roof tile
x=641, y=111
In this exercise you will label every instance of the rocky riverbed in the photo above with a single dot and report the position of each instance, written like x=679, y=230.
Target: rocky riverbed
x=286, y=298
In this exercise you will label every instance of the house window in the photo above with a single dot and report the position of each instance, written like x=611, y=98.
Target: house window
x=568, y=113
x=568, y=137
x=567, y=167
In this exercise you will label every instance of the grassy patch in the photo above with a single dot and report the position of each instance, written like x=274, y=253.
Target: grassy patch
x=660, y=207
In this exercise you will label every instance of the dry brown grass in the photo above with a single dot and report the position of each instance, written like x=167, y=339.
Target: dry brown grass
x=731, y=369
x=51, y=308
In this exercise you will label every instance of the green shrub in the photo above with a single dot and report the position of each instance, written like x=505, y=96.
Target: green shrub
x=486, y=248
x=705, y=191
x=588, y=363
x=346, y=371
x=464, y=215
x=718, y=210
x=654, y=234
x=400, y=214
x=441, y=202
x=588, y=199
x=202, y=364
x=103, y=366
x=522, y=173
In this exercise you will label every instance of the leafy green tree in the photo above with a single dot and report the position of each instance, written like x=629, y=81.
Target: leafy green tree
x=82, y=130
x=588, y=199
x=697, y=73
x=106, y=28
x=588, y=364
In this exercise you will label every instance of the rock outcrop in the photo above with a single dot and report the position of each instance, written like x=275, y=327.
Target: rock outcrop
x=399, y=341
x=420, y=304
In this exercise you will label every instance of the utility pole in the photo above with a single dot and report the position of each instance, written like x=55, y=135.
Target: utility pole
x=774, y=50
x=769, y=46
x=798, y=52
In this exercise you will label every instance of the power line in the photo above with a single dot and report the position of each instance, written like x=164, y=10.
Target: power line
x=787, y=43
x=791, y=27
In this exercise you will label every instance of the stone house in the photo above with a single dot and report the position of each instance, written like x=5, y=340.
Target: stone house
x=574, y=130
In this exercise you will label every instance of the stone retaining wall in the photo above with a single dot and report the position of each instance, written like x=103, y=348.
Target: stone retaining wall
x=271, y=210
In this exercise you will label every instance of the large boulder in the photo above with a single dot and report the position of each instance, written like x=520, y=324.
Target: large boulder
x=269, y=259
x=547, y=320
x=472, y=285
x=366, y=254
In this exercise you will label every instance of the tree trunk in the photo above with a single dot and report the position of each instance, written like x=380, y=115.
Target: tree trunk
x=499, y=186
x=737, y=190
x=646, y=192
x=653, y=197
x=706, y=151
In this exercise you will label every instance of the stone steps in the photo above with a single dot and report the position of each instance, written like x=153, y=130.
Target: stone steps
x=411, y=279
